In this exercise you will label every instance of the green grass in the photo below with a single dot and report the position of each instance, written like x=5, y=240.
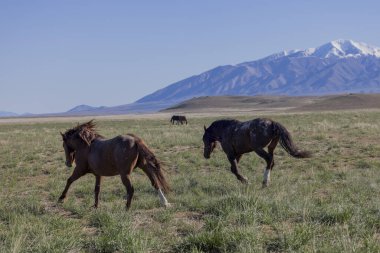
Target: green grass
x=329, y=203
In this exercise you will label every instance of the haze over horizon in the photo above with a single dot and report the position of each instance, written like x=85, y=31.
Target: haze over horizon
x=57, y=55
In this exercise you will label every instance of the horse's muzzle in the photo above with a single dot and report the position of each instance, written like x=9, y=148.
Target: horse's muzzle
x=68, y=164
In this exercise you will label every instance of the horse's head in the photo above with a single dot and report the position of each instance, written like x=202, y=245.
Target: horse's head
x=69, y=149
x=209, y=142
x=79, y=137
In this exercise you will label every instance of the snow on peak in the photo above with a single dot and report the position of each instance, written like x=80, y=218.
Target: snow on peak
x=345, y=48
x=334, y=49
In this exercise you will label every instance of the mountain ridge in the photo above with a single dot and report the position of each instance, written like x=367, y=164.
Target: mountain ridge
x=340, y=66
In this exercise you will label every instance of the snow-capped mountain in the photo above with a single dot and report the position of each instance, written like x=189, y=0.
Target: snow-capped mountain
x=334, y=49
x=340, y=66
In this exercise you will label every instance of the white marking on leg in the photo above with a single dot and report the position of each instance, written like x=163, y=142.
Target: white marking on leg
x=163, y=200
x=266, y=176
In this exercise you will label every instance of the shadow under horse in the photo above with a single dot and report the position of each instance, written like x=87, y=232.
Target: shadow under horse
x=238, y=138
x=110, y=157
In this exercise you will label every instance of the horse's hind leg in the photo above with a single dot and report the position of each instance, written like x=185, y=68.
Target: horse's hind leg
x=234, y=169
x=272, y=145
x=128, y=185
x=97, y=190
x=163, y=200
x=269, y=160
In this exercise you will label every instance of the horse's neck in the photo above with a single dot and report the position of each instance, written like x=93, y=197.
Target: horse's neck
x=82, y=149
x=217, y=133
x=81, y=146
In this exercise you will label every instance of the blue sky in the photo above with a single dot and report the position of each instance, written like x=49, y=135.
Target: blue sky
x=55, y=55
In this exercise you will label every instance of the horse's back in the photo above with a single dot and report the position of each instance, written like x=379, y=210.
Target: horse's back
x=107, y=156
x=120, y=141
x=249, y=135
x=261, y=131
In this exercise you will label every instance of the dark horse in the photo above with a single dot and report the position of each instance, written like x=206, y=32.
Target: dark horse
x=110, y=157
x=178, y=119
x=238, y=138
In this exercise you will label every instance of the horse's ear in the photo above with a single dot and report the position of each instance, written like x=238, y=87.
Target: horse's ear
x=63, y=136
x=204, y=127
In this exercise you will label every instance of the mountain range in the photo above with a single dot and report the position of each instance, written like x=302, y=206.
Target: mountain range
x=340, y=66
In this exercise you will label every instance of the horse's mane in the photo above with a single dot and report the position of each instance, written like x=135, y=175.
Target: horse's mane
x=87, y=131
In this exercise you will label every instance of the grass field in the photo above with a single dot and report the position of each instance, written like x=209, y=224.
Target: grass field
x=329, y=203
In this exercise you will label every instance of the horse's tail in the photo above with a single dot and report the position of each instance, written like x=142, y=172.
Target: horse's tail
x=287, y=142
x=154, y=166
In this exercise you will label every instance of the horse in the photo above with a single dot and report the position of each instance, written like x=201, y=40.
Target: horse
x=237, y=138
x=178, y=119
x=110, y=157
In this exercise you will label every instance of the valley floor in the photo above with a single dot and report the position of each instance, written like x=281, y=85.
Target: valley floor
x=328, y=203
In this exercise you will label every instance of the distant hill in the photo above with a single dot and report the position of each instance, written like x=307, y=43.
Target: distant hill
x=340, y=66
x=82, y=110
x=8, y=114
x=278, y=103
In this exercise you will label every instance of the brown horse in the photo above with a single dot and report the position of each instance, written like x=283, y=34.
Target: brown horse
x=238, y=138
x=110, y=157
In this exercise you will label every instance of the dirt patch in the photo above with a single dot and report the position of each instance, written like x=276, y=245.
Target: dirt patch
x=90, y=231
x=4, y=142
x=191, y=218
x=322, y=194
x=268, y=230
x=144, y=219
x=179, y=149
x=56, y=208
x=178, y=225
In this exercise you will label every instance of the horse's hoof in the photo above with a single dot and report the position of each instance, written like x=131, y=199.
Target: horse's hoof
x=244, y=180
x=61, y=200
x=167, y=205
x=265, y=184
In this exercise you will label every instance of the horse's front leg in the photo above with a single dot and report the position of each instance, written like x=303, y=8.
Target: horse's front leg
x=97, y=190
x=234, y=169
x=77, y=173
